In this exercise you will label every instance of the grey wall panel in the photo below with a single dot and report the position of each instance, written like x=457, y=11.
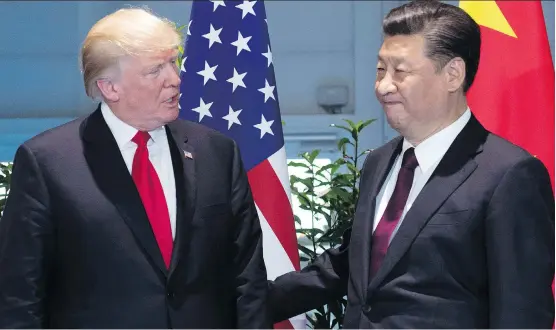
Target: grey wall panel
x=40, y=86
x=38, y=27
x=298, y=76
x=321, y=26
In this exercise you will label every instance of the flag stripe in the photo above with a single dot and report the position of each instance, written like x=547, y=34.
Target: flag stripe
x=286, y=324
x=273, y=250
x=277, y=161
x=269, y=194
x=281, y=263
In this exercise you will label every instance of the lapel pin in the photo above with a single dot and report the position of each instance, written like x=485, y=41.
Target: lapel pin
x=187, y=154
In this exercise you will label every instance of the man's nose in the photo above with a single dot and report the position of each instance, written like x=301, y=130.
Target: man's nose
x=385, y=85
x=173, y=77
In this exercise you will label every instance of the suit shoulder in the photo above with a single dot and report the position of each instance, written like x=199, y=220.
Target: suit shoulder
x=57, y=136
x=198, y=133
x=503, y=152
x=500, y=157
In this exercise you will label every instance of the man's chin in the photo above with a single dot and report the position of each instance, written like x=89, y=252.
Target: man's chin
x=393, y=121
x=173, y=114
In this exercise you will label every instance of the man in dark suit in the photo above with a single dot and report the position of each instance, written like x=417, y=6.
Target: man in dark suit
x=454, y=227
x=129, y=217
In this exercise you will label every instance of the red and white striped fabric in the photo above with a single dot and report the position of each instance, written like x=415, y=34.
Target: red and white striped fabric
x=271, y=190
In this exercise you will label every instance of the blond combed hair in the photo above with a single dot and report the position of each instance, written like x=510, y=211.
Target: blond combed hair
x=129, y=31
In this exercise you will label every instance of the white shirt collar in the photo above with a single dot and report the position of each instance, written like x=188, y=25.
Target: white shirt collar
x=431, y=150
x=123, y=132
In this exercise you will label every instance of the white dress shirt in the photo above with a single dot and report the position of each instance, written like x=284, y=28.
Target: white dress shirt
x=428, y=153
x=159, y=155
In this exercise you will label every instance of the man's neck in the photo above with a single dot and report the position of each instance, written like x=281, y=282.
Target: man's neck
x=451, y=117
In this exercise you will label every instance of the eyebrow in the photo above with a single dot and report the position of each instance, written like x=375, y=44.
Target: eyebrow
x=160, y=63
x=155, y=65
x=392, y=58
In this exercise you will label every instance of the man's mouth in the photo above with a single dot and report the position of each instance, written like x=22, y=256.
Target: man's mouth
x=173, y=99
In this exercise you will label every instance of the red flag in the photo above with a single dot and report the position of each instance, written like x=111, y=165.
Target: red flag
x=513, y=92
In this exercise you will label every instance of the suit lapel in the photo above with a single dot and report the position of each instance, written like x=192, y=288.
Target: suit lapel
x=113, y=179
x=183, y=159
x=384, y=165
x=363, y=224
x=454, y=168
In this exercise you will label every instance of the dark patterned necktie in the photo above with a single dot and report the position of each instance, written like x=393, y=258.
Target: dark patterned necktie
x=394, y=210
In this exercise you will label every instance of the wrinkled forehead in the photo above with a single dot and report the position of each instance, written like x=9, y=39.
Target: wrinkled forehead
x=150, y=58
x=402, y=48
x=162, y=55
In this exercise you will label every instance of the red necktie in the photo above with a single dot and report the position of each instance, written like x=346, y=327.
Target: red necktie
x=394, y=210
x=152, y=195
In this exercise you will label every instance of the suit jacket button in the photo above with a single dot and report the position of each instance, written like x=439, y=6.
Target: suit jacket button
x=170, y=295
x=366, y=309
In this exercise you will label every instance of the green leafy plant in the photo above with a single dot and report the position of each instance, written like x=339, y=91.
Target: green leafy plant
x=329, y=193
x=5, y=178
x=180, y=47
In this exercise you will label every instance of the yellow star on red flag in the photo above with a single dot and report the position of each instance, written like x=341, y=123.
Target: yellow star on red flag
x=488, y=14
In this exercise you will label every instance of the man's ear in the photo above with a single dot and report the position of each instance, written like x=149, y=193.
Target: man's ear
x=455, y=73
x=108, y=89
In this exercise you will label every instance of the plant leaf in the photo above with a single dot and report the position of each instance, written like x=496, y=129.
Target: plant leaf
x=352, y=125
x=306, y=250
x=362, y=124
x=298, y=164
x=342, y=144
x=312, y=155
x=342, y=127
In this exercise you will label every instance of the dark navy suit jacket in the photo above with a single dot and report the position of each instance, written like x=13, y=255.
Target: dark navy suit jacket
x=77, y=249
x=476, y=249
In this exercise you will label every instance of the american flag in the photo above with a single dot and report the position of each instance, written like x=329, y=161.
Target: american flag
x=228, y=84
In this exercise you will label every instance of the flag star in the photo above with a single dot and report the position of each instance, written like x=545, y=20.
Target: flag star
x=203, y=109
x=268, y=55
x=264, y=126
x=183, y=64
x=247, y=8
x=213, y=36
x=241, y=43
x=232, y=117
x=495, y=19
x=208, y=73
x=268, y=91
x=179, y=99
x=216, y=4
x=188, y=27
x=237, y=80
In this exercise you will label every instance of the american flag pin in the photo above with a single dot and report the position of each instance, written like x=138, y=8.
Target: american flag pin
x=187, y=154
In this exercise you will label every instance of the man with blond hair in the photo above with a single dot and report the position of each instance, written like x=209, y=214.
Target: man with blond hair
x=130, y=217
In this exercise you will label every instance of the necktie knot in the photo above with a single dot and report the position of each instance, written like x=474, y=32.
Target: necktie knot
x=409, y=160
x=141, y=138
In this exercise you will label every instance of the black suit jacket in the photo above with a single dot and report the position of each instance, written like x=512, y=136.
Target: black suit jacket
x=77, y=249
x=476, y=250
